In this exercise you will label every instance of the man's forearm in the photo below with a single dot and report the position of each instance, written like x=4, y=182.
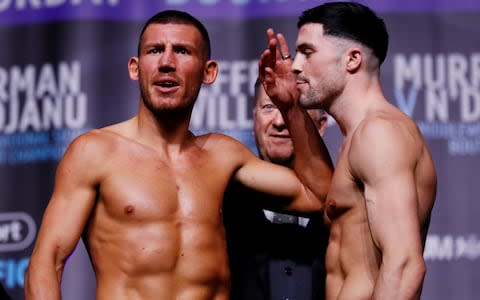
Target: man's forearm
x=313, y=163
x=42, y=284
x=404, y=282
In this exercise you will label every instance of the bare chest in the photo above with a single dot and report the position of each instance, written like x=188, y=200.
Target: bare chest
x=141, y=187
x=345, y=197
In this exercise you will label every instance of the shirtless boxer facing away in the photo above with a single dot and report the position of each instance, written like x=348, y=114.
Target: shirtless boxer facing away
x=146, y=194
x=384, y=184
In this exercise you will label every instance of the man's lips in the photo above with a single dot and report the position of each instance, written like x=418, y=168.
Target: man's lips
x=301, y=83
x=166, y=84
x=280, y=136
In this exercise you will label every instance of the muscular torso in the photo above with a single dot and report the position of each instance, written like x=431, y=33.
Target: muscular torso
x=348, y=266
x=353, y=259
x=156, y=231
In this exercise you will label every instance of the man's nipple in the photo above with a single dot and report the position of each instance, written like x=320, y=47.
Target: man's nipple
x=129, y=209
x=332, y=203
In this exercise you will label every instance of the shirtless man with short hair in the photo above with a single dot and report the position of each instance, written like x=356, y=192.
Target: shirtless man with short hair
x=384, y=184
x=146, y=194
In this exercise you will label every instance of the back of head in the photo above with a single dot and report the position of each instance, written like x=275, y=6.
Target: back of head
x=350, y=20
x=177, y=17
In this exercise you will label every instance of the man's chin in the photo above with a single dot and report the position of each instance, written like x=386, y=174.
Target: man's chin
x=282, y=159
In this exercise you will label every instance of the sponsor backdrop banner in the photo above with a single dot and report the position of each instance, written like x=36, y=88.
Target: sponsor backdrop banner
x=63, y=71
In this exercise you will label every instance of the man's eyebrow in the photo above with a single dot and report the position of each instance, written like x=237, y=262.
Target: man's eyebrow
x=178, y=44
x=153, y=44
x=183, y=45
x=304, y=46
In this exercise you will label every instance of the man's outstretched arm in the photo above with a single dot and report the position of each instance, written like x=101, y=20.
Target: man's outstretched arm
x=313, y=163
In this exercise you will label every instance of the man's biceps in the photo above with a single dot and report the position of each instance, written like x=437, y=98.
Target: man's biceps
x=382, y=231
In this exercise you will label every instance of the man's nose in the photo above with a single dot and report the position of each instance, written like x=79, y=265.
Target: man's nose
x=167, y=61
x=278, y=121
x=297, y=65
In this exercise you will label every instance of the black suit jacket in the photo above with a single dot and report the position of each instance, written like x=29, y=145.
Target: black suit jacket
x=252, y=241
x=3, y=293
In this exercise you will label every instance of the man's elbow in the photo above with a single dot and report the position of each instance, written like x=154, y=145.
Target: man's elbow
x=418, y=269
x=323, y=187
x=316, y=203
x=413, y=276
x=29, y=288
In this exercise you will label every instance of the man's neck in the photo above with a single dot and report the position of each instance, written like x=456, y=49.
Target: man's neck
x=354, y=105
x=169, y=129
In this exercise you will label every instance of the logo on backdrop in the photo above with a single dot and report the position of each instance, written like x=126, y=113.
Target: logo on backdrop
x=449, y=85
x=226, y=106
x=50, y=4
x=449, y=247
x=19, y=11
x=42, y=108
x=17, y=233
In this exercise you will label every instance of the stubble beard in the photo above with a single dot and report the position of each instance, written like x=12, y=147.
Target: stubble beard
x=311, y=99
x=165, y=110
x=319, y=99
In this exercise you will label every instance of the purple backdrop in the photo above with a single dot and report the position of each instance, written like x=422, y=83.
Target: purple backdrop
x=63, y=71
